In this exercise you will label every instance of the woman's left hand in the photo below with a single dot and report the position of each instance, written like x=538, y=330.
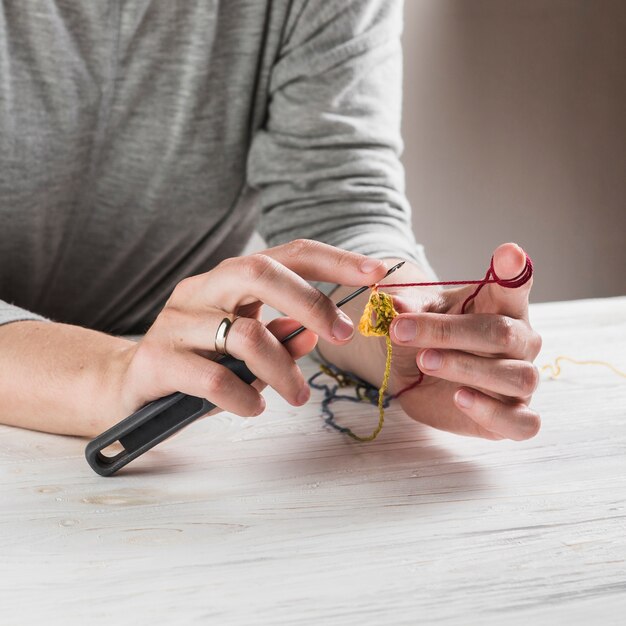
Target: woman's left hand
x=478, y=370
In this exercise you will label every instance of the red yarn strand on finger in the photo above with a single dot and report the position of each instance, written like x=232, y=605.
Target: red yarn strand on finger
x=490, y=278
x=381, y=305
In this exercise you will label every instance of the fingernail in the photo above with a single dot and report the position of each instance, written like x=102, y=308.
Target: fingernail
x=464, y=398
x=431, y=359
x=405, y=329
x=303, y=395
x=342, y=327
x=369, y=265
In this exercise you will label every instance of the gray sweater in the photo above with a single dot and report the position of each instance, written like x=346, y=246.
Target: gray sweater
x=142, y=141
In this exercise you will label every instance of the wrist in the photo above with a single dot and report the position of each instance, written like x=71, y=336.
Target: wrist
x=111, y=384
x=60, y=378
x=99, y=385
x=365, y=356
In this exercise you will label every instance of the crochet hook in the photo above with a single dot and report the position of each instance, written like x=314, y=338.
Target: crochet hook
x=160, y=419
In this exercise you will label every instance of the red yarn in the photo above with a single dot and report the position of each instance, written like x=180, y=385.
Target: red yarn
x=512, y=283
x=419, y=380
x=490, y=278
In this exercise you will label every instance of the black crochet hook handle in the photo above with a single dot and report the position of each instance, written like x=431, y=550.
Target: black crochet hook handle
x=158, y=420
x=152, y=424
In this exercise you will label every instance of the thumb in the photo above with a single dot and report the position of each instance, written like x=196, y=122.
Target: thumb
x=509, y=262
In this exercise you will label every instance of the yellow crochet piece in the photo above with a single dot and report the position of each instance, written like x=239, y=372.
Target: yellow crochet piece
x=375, y=322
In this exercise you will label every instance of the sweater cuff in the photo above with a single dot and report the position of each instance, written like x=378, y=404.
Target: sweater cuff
x=11, y=313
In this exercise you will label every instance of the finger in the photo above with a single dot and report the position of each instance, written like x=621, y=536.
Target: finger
x=183, y=330
x=509, y=261
x=513, y=421
x=270, y=361
x=480, y=333
x=508, y=377
x=239, y=281
x=195, y=375
x=299, y=345
x=415, y=300
x=247, y=339
x=314, y=260
x=440, y=411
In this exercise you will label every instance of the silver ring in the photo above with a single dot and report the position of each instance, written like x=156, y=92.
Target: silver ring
x=221, y=334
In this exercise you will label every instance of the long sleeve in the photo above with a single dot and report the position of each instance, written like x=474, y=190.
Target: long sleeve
x=327, y=161
x=11, y=313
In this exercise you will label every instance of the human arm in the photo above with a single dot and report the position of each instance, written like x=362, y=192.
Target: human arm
x=326, y=161
x=59, y=378
x=327, y=165
x=71, y=380
x=485, y=355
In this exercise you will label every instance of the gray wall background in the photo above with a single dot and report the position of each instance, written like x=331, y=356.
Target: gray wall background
x=515, y=130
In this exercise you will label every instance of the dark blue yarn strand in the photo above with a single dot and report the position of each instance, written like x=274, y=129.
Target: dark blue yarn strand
x=362, y=389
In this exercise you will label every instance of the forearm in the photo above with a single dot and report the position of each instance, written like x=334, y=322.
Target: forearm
x=365, y=356
x=60, y=378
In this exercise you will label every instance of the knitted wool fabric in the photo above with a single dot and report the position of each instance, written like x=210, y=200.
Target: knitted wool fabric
x=375, y=322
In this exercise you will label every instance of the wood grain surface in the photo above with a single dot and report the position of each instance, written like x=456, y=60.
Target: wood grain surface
x=277, y=520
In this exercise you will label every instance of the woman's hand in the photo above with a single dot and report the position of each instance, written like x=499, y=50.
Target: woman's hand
x=478, y=371
x=178, y=351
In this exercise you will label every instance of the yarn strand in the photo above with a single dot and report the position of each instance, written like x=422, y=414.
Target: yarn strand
x=555, y=368
x=375, y=322
x=490, y=278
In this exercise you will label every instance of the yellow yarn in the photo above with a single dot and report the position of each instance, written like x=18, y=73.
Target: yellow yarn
x=375, y=321
x=555, y=368
x=380, y=308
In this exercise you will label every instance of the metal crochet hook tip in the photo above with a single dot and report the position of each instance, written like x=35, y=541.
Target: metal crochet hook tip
x=341, y=302
x=397, y=266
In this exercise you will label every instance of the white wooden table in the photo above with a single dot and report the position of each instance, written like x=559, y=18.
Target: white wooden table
x=279, y=521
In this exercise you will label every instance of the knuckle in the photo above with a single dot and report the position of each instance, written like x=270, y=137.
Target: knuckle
x=252, y=334
x=300, y=247
x=535, y=344
x=347, y=259
x=214, y=380
x=503, y=333
x=528, y=379
x=465, y=366
x=315, y=300
x=258, y=266
x=443, y=332
x=184, y=288
x=228, y=262
x=534, y=425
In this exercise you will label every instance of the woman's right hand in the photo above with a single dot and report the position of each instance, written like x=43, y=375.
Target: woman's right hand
x=178, y=351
